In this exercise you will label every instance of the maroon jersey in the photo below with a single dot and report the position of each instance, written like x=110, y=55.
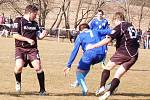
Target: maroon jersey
x=27, y=29
x=126, y=39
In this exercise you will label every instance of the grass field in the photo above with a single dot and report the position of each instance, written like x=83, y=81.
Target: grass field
x=135, y=85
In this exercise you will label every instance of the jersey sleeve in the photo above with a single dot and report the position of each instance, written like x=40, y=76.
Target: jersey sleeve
x=106, y=24
x=91, y=24
x=74, y=51
x=115, y=32
x=104, y=32
x=38, y=30
x=16, y=29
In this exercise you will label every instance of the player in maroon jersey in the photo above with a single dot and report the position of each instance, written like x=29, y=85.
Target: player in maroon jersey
x=26, y=31
x=126, y=53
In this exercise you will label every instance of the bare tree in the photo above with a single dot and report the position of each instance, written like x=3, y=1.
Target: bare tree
x=57, y=17
x=43, y=9
x=42, y=4
x=65, y=5
x=91, y=8
x=141, y=15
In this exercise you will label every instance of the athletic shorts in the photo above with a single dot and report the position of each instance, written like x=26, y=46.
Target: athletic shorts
x=27, y=54
x=90, y=58
x=125, y=60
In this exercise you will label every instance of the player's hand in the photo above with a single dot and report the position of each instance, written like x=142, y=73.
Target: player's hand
x=66, y=71
x=30, y=41
x=89, y=46
x=43, y=34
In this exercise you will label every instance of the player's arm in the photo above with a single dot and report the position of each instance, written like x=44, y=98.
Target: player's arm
x=22, y=38
x=73, y=55
x=91, y=24
x=113, y=35
x=74, y=52
x=101, y=43
x=16, y=30
x=106, y=24
x=41, y=33
x=104, y=32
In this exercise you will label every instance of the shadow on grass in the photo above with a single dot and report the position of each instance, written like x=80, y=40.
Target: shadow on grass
x=133, y=94
x=142, y=70
x=47, y=94
x=33, y=93
x=19, y=94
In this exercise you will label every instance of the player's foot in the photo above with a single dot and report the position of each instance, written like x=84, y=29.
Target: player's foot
x=102, y=89
x=107, y=87
x=18, y=87
x=75, y=84
x=42, y=93
x=84, y=93
x=105, y=96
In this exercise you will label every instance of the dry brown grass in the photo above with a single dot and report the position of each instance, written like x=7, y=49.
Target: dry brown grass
x=134, y=85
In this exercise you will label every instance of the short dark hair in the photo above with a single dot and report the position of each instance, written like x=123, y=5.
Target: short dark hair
x=31, y=8
x=83, y=26
x=120, y=16
x=99, y=10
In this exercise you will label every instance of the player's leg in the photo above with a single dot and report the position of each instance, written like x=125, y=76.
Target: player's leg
x=81, y=80
x=104, y=77
x=40, y=75
x=76, y=83
x=83, y=69
x=125, y=66
x=35, y=61
x=116, y=59
x=17, y=72
x=18, y=68
x=114, y=83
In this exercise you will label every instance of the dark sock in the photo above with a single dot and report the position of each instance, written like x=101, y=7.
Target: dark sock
x=104, y=77
x=41, y=79
x=114, y=84
x=18, y=77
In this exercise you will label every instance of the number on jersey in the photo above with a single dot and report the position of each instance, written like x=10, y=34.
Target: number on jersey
x=132, y=32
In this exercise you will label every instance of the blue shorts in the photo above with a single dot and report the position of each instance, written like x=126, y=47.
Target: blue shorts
x=90, y=58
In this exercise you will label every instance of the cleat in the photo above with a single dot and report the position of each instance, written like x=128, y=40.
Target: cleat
x=42, y=93
x=100, y=90
x=105, y=96
x=107, y=87
x=104, y=89
x=18, y=87
x=84, y=93
x=75, y=84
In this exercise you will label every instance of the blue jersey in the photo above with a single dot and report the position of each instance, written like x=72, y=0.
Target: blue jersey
x=97, y=24
x=88, y=37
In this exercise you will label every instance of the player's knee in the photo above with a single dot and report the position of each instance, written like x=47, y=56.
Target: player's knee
x=108, y=67
x=38, y=69
x=18, y=69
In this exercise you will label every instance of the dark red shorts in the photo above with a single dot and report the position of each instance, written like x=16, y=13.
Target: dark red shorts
x=27, y=54
x=125, y=60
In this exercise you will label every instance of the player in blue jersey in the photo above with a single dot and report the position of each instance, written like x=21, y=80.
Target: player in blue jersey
x=90, y=57
x=100, y=23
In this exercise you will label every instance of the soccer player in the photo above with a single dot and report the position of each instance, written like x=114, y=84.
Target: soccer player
x=126, y=53
x=26, y=31
x=100, y=23
x=90, y=57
